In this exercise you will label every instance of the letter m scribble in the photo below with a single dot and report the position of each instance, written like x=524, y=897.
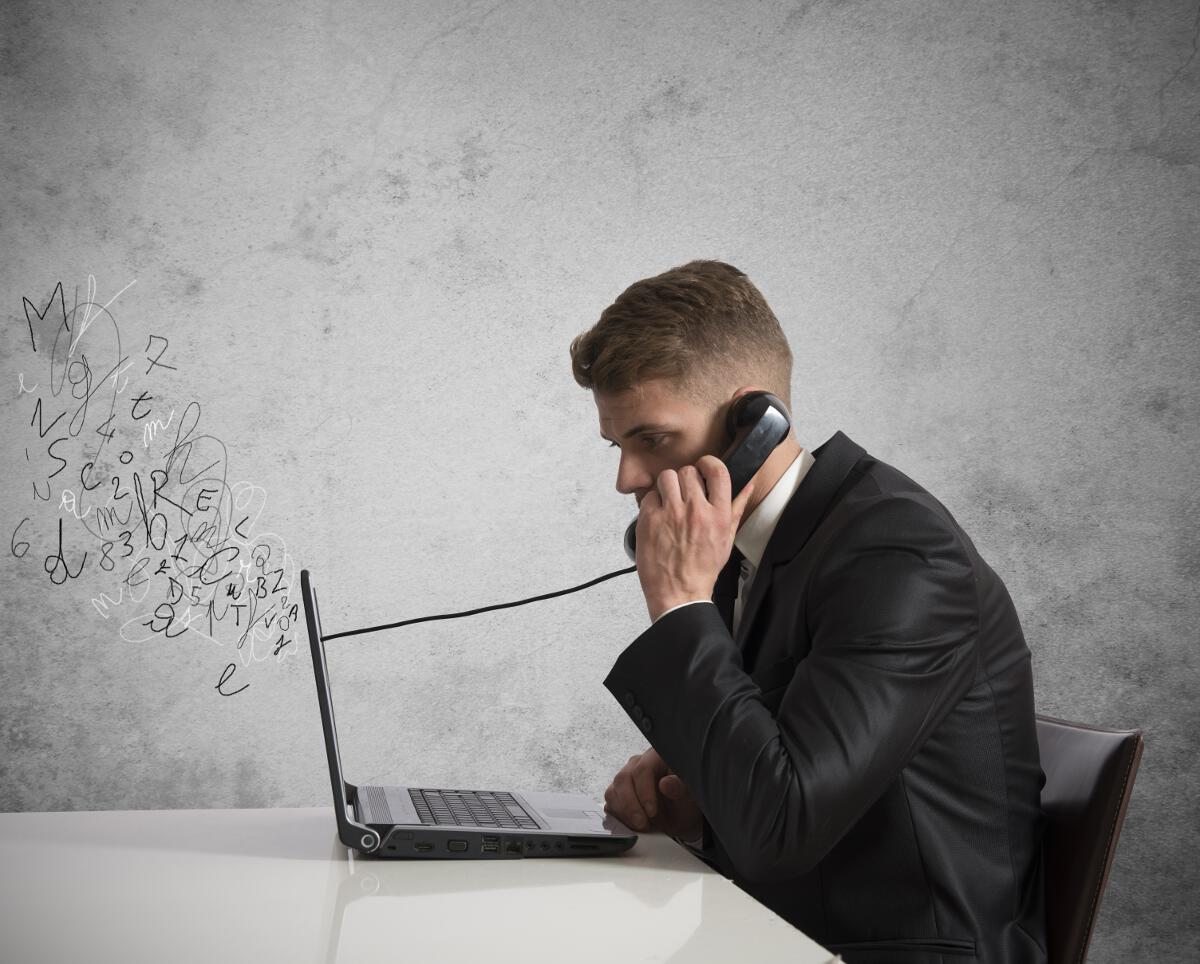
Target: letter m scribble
x=106, y=600
x=153, y=427
x=108, y=519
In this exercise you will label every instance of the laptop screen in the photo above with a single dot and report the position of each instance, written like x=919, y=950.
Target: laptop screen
x=317, y=644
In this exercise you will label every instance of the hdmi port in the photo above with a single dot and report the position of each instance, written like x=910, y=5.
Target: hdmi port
x=424, y=846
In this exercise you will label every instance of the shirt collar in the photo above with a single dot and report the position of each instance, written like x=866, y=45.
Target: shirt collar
x=755, y=530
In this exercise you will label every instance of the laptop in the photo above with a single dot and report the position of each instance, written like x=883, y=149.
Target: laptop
x=438, y=823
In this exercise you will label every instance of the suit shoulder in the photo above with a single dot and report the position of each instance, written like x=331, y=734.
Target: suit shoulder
x=870, y=522
x=881, y=493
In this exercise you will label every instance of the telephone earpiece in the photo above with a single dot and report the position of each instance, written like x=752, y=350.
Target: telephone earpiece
x=769, y=423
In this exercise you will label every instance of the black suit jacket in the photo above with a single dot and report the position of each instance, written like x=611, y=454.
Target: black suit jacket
x=864, y=750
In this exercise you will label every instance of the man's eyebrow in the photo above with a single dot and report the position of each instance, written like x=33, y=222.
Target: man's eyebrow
x=644, y=427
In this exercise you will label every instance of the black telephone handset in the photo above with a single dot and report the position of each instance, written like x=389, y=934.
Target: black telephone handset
x=769, y=425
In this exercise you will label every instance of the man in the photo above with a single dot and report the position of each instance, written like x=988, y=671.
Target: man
x=852, y=741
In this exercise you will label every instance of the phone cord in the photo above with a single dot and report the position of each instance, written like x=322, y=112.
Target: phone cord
x=482, y=609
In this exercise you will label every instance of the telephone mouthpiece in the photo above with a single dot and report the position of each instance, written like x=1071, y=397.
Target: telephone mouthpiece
x=631, y=540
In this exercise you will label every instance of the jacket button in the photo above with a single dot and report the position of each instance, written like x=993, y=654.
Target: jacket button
x=636, y=712
x=629, y=700
x=645, y=724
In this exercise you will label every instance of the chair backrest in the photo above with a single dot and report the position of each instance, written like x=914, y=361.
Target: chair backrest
x=1089, y=777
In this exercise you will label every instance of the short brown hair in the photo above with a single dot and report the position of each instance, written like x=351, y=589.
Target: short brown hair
x=702, y=326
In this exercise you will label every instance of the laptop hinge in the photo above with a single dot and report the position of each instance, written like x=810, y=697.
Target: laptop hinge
x=350, y=831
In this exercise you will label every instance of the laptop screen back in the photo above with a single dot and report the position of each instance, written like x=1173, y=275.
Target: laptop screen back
x=316, y=643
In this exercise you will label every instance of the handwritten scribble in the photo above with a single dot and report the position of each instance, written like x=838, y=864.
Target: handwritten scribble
x=141, y=498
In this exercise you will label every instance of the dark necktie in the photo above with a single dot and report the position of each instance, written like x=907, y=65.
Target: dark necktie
x=726, y=589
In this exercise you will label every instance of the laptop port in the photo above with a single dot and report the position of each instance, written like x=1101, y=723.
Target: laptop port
x=490, y=848
x=424, y=847
x=513, y=847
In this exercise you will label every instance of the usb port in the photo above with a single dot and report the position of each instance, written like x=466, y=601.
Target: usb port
x=424, y=846
x=490, y=848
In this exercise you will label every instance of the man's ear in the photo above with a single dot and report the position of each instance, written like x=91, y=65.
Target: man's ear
x=731, y=428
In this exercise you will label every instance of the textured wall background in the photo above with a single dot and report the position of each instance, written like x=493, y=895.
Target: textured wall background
x=363, y=235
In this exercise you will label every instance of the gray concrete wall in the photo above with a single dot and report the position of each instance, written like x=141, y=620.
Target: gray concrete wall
x=362, y=236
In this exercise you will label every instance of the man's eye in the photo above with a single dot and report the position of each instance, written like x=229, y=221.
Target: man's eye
x=653, y=441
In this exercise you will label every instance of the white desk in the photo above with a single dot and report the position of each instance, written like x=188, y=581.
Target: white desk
x=276, y=885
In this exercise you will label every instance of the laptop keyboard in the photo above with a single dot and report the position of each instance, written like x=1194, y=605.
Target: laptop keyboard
x=470, y=808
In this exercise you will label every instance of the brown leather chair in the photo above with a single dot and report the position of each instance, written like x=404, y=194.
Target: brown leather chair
x=1089, y=777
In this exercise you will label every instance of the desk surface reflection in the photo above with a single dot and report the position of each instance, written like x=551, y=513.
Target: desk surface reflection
x=277, y=885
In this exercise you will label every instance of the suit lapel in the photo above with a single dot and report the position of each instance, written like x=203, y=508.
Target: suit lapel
x=834, y=461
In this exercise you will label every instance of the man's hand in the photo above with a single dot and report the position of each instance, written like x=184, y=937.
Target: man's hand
x=645, y=794
x=685, y=531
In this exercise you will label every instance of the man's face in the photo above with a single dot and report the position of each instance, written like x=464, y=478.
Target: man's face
x=655, y=429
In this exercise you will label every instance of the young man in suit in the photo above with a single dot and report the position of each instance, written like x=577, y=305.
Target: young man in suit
x=851, y=739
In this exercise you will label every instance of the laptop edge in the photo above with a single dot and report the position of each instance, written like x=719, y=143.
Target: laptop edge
x=383, y=822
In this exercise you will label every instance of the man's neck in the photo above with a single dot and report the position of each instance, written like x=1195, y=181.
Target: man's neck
x=771, y=472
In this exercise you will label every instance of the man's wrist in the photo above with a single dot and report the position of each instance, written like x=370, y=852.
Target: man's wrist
x=655, y=616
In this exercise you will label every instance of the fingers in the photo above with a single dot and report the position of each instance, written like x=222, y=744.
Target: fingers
x=645, y=786
x=691, y=483
x=739, y=504
x=708, y=479
x=720, y=486
x=667, y=484
x=618, y=799
x=677, y=487
x=716, y=478
x=632, y=797
x=672, y=787
x=686, y=820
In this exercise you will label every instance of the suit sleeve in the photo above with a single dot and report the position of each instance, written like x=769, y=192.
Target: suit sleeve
x=690, y=602
x=892, y=617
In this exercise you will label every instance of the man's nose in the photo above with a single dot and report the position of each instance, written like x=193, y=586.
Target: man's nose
x=632, y=476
